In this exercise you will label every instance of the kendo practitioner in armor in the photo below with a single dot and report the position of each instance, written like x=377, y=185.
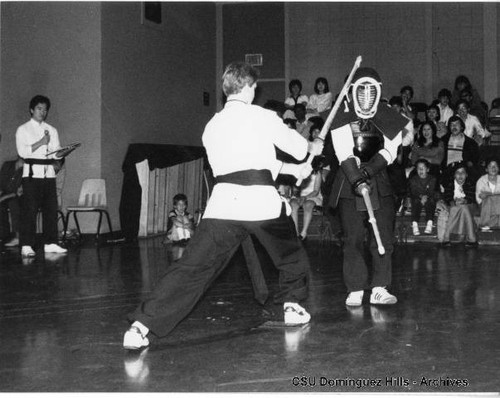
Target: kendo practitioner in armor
x=366, y=136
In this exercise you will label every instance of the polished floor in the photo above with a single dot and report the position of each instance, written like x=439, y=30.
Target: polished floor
x=62, y=320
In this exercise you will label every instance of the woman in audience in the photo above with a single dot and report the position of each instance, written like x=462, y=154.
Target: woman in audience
x=488, y=196
x=295, y=97
x=309, y=193
x=473, y=127
x=459, y=203
x=322, y=100
x=406, y=93
x=433, y=115
x=428, y=146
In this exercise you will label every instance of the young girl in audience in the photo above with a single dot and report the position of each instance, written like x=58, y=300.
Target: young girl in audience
x=180, y=223
x=322, y=100
x=459, y=203
x=310, y=193
x=428, y=146
x=433, y=115
x=488, y=196
x=423, y=190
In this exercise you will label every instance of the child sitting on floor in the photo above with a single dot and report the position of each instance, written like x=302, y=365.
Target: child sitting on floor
x=180, y=226
x=423, y=190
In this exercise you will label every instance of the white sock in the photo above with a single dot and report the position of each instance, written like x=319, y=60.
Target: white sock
x=144, y=330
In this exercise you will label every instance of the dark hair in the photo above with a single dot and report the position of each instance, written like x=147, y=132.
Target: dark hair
x=425, y=162
x=456, y=118
x=317, y=123
x=444, y=92
x=236, y=76
x=276, y=106
x=290, y=122
x=295, y=82
x=466, y=91
x=179, y=197
x=321, y=80
x=409, y=88
x=396, y=100
x=420, y=135
x=495, y=103
x=462, y=79
x=436, y=108
x=299, y=105
x=39, y=99
x=459, y=165
x=489, y=160
x=462, y=101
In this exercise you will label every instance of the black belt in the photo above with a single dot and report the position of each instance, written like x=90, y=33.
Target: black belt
x=32, y=161
x=247, y=177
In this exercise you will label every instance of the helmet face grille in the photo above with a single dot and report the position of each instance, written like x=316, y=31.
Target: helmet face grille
x=366, y=93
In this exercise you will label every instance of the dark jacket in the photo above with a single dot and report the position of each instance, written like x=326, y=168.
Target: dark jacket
x=417, y=187
x=469, y=190
x=470, y=152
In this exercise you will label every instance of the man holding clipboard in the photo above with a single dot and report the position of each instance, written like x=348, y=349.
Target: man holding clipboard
x=38, y=144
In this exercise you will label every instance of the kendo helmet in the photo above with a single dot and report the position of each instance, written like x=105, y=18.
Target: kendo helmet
x=366, y=92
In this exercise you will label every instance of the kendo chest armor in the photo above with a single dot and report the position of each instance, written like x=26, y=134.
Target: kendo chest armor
x=368, y=140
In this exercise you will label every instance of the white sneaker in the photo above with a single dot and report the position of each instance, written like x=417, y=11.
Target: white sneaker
x=380, y=295
x=134, y=340
x=295, y=314
x=428, y=228
x=27, y=251
x=486, y=228
x=53, y=248
x=414, y=225
x=354, y=299
x=12, y=243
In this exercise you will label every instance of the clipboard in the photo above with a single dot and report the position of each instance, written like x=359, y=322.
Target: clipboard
x=65, y=150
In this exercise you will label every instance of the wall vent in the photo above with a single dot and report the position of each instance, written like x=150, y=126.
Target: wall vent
x=253, y=59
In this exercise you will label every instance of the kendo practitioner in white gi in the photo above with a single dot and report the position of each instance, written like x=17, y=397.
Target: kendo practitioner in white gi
x=240, y=142
x=366, y=136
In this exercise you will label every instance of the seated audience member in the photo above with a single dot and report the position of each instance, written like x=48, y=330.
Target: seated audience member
x=444, y=98
x=459, y=206
x=296, y=97
x=276, y=106
x=423, y=191
x=433, y=115
x=309, y=194
x=322, y=100
x=478, y=111
x=473, y=127
x=495, y=108
x=406, y=94
x=10, y=191
x=428, y=146
x=302, y=125
x=180, y=226
x=463, y=83
x=458, y=148
x=488, y=196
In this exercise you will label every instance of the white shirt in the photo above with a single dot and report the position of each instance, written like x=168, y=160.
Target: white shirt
x=243, y=137
x=320, y=102
x=473, y=126
x=29, y=133
x=445, y=113
x=302, y=99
